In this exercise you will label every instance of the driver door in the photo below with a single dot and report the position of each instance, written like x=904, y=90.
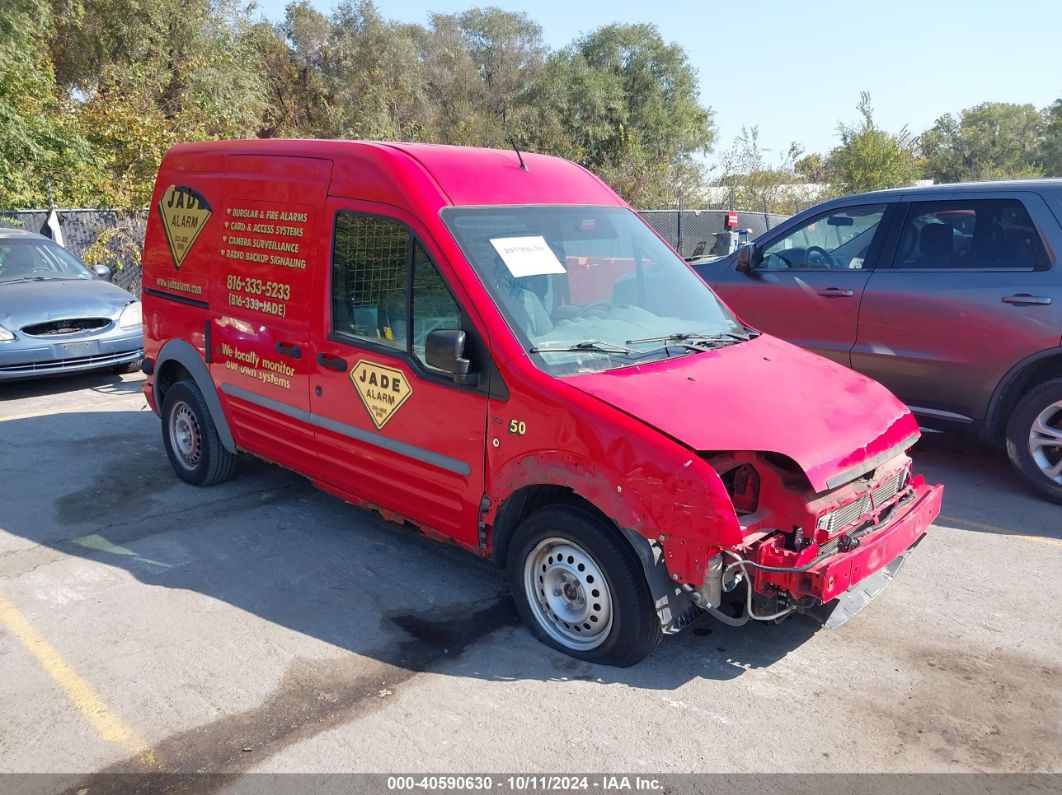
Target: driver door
x=391, y=430
x=806, y=284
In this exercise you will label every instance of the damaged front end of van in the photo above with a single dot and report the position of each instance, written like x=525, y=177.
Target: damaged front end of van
x=824, y=506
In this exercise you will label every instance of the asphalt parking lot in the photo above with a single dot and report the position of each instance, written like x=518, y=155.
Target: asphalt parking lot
x=262, y=625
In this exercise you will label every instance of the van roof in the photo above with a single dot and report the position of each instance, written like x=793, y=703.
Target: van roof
x=463, y=175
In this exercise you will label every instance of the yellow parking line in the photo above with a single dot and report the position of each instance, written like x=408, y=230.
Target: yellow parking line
x=80, y=693
x=1003, y=531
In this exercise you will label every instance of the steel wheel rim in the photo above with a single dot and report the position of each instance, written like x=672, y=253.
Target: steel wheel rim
x=568, y=594
x=186, y=439
x=1045, y=441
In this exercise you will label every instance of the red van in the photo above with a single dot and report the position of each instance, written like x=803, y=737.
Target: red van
x=494, y=348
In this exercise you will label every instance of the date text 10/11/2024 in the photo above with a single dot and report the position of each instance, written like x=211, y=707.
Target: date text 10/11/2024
x=524, y=783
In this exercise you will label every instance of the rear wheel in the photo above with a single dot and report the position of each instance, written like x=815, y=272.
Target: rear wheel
x=580, y=588
x=191, y=438
x=1034, y=439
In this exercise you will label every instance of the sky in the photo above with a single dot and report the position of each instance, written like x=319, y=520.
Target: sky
x=795, y=68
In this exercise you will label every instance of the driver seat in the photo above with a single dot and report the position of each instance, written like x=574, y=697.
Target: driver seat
x=529, y=312
x=937, y=245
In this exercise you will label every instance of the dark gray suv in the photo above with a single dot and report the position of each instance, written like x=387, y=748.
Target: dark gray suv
x=950, y=295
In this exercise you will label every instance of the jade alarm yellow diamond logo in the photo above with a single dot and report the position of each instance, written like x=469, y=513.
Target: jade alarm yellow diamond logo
x=382, y=390
x=184, y=214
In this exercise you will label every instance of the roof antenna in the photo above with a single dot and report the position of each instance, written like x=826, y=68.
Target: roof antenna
x=520, y=157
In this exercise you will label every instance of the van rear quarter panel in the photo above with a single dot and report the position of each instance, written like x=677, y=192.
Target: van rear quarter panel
x=176, y=298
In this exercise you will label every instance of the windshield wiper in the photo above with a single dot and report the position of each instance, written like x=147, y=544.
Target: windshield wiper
x=696, y=338
x=28, y=279
x=591, y=346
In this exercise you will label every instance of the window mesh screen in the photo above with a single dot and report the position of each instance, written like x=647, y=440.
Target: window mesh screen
x=369, y=279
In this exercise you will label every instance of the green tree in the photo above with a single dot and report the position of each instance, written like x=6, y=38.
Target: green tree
x=138, y=76
x=41, y=150
x=1048, y=153
x=624, y=103
x=752, y=182
x=812, y=168
x=508, y=53
x=870, y=158
x=293, y=55
x=453, y=81
x=993, y=140
x=372, y=76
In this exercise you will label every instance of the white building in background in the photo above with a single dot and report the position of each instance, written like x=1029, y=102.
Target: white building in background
x=804, y=192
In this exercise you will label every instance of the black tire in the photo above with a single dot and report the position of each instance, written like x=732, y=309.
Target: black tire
x=129, y=367
x=1035, y=467
x=633, y=628
x=196, y=453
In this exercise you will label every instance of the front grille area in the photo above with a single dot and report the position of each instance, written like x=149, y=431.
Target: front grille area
x=58, y=365
x=881, y=493
x=55, y=327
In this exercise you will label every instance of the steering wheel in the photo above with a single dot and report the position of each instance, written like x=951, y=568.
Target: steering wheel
x=595, y=305
x=824, y=256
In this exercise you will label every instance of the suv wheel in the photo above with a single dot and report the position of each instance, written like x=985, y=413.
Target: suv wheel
x=1034, y=439
x=191, y=438
x=580, y=589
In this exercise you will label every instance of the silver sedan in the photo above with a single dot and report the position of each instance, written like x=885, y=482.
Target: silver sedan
x=57, y=315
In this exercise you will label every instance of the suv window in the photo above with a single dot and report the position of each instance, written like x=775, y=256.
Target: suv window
x=994, y=234
x=839, y=240
x=372, y=259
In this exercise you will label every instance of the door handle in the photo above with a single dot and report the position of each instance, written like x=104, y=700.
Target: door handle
x=289, y=349
x=1024, y=299
x=332, y=362
x=836, y=292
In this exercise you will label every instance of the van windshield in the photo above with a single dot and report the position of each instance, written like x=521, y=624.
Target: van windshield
x=590, y=288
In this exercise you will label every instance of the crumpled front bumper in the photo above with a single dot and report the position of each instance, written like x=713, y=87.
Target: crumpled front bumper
x=838, y=573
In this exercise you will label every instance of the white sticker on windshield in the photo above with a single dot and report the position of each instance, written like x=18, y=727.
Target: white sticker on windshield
x=527, y=256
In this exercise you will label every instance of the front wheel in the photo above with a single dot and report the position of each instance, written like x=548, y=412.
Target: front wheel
x=191, y=438
x=580, y=588
x=1034, y=439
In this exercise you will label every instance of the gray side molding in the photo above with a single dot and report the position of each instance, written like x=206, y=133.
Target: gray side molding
x=184, y=354
x=674, y=606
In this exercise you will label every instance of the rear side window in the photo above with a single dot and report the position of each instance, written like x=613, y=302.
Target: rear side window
x=990, y=234
x=385, y=288
x=370, y=263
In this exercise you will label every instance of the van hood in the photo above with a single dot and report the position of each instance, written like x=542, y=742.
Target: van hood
x=765, y=395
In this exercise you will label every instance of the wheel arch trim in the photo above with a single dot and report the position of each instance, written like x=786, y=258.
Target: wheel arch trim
x=995, y=420
x=183, y=353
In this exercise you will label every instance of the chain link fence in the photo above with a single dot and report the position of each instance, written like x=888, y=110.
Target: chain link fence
x=116, y=238
x=696, y=233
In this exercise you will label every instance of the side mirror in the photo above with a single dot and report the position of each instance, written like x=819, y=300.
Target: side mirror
x=445, y=350
x=101, y=270
x=744, y=258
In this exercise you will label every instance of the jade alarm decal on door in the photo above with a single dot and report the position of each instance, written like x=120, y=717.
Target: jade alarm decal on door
x=184, y=213
x=382, y=390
